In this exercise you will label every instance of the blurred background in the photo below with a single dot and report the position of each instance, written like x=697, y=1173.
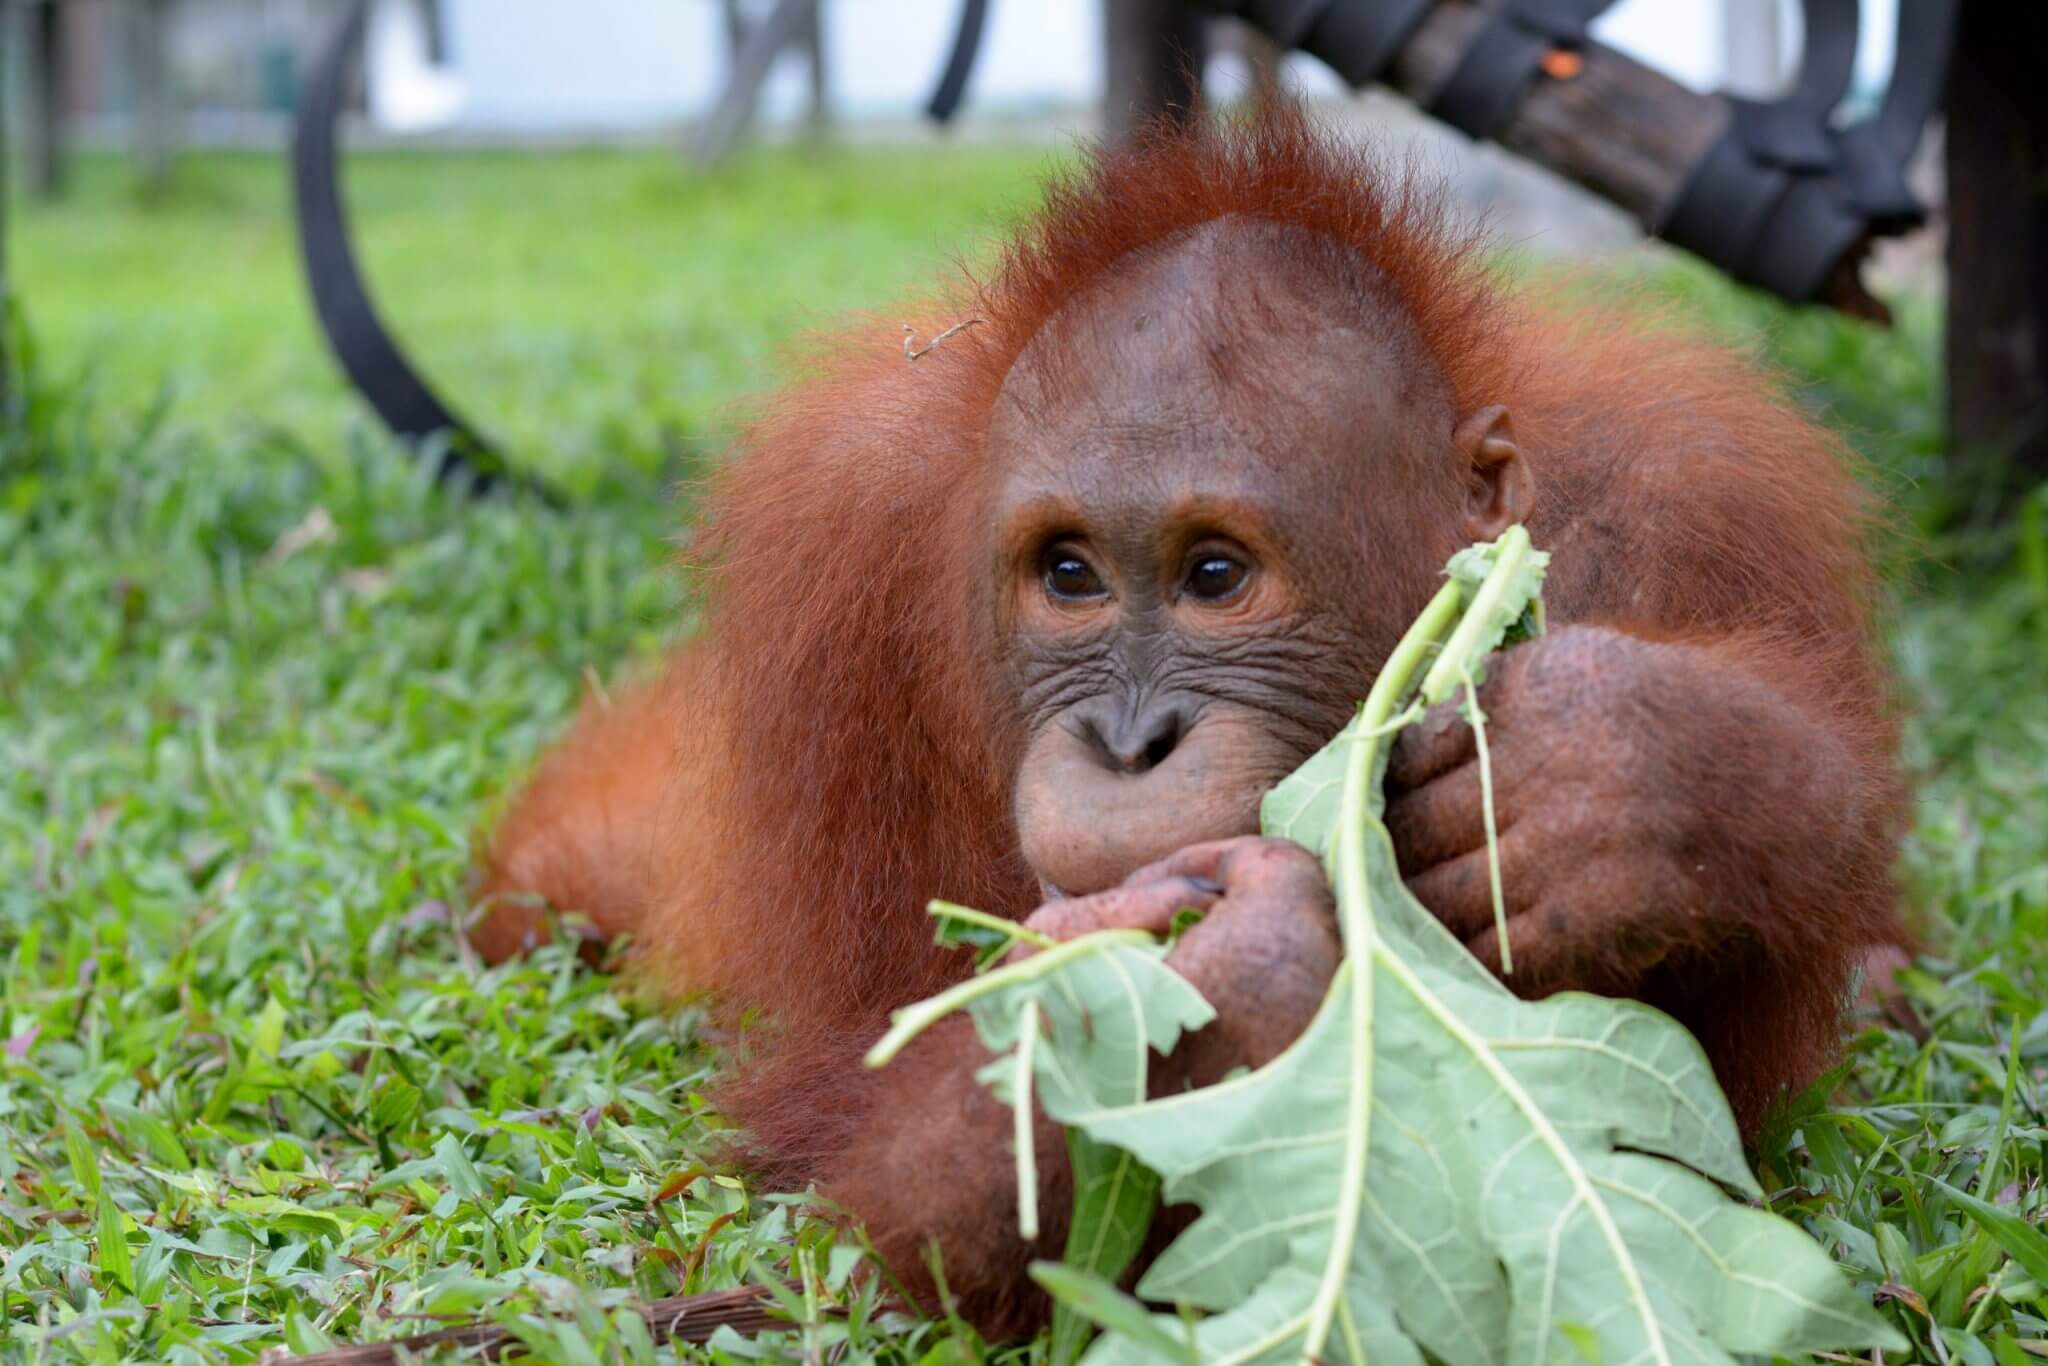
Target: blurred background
x=262, y=676
x=549, y=238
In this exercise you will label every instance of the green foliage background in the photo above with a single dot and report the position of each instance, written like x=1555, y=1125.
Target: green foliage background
x=258, y=684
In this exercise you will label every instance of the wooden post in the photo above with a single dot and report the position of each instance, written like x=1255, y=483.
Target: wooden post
x=760, y=44
x=6, y=295
x=818, y=113
x=1155, y=50
x=1997, y=151
x=154, y=113
x=42, y=68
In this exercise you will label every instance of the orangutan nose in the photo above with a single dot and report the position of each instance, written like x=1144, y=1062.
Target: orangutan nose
x=1138, y=739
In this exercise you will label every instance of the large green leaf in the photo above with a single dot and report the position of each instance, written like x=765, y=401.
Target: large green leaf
x=1469, y=1174
x=1436, y=1168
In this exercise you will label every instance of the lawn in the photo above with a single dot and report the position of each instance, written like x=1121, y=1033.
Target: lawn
x=259, y=683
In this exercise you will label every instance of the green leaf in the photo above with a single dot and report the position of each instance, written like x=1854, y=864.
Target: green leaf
x=151, y=1133
x=1105, y=1001
x=990, y=936
x=1098, y=1300
x=463, y=1177
x=85, y=1163
x=266, y=1037
x=1115, y=1196
x=1115, y=971
x=2022, y=1242
x=115, y=1262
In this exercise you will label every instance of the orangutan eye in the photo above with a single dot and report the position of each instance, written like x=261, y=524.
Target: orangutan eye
x=1070, y=578
x=1215, y=577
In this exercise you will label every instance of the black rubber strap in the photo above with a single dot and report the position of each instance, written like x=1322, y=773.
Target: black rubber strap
x=1791, y=131
x=945, y=100
x=1765, y=207
x=365, y=349
x=1874, y=153
x=1359, y=39
x=1732, y=195
x=1506, y=57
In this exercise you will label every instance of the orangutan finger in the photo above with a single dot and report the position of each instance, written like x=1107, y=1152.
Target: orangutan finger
x=1439, y=742
x=1459, y=892
x=1202, y=862
x=1148, y=906
x=1613, y=922
x=1251, y=870
x=1439, y=821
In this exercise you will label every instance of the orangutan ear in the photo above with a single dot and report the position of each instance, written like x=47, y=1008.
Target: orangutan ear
x=1499, y=488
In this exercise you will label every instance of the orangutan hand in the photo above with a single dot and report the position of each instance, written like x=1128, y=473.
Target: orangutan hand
x=1263, y=954
x=1639, y=791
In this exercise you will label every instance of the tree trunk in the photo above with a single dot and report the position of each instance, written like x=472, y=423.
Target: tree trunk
x=1997, y=146
x=759, y=45
x=42, y=69
x=154, y=114
x=818, y=113
x=1155, y=50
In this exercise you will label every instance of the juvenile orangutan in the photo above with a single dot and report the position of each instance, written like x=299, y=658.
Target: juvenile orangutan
x=1033, y=622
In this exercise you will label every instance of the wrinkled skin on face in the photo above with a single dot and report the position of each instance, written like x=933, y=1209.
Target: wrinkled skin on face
x=1188, y=602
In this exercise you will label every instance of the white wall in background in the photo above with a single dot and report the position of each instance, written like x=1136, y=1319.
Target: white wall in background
x=610, y=65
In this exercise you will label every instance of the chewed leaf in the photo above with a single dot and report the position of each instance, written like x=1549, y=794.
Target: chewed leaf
x=1518, y=614
x=1102, y=1014
x=989, y=936
x=1303, y=807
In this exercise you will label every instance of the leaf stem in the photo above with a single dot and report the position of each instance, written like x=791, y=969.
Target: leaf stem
x=1477, y=720
x=1024, y=1114
x=1354, y=908
x=911, y=1021
x=967, y=915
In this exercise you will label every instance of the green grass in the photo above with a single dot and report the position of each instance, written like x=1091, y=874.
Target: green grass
x=586, y=309
x=252, y=1094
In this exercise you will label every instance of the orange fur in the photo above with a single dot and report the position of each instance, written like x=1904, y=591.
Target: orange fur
x=833, y=750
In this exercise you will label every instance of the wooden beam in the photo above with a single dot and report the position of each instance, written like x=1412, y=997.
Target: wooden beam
x=1624, y=131
x=1997, y=152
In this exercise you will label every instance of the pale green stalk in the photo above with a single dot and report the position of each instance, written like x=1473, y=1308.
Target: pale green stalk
x=967, y=915
x=1354, y=909
x=1348, y=873
x=913, y=1020
x=1022, y=1114
x=1477, y=720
